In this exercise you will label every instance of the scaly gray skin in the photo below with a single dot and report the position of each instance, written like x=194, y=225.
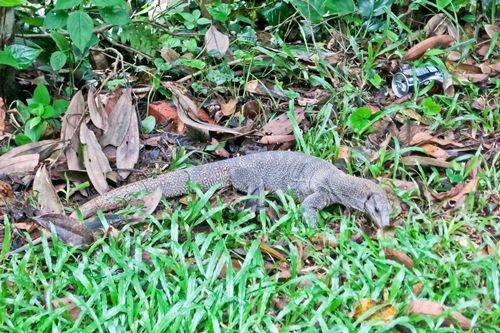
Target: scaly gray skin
x=317, y=183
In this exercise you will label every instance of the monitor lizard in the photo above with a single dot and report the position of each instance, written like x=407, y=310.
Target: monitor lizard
x=316, y=182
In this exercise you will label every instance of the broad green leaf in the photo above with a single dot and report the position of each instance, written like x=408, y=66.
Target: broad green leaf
x=57, y=60
x=148, y=124
x=277, y=13
x=60, y=106
x=55, y=19
x=80, y=28
x=359, y=119
x=116, y=15
x=35, y=132
x=30, y=124
x=219, y=11
x=19, y=56
x=373, y=8
x=315, y=10
x=108, y=3
x=22, y=139
x=10, y=3
x=430, y=107
x=67, y=4
x=41, y=94
x=193, y=63
x=61, y=41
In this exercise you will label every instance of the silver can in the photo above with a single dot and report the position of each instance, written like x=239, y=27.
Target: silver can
x=404, y=81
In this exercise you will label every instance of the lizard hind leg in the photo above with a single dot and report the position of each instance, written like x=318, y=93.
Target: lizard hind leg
x=251, y=183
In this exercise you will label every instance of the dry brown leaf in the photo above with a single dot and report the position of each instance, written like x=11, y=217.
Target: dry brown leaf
x=228, y=108
x=119, y=119
x=425, y=161
x=46, y=193
x=425, y=137
x=276, y=139
x=383, y=315
x=435, y=151
x=169, y=55
x=281, y=125
x=271, y=251
x=68, y=229
x=19, y=165
x=457, y=200
x=418, y=50
x=322, y=241
x=492, y=30
x=185, y=105
x=150, y=202
x=6, y=191
x=399, y=257
x=44, y=148
x=236, y=267
x=426, y=307
x=127, y=154
x=69, y=130
x=73, y=309
x=98, y=116
x=417, y=288
x=2, y=117
x=259, y=88
x=437, y=25
x=94, y=159
x=216, y=41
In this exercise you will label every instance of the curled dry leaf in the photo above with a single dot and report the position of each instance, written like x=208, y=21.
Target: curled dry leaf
x=186, y=106
x=98, y=116
x=94, y=159
x=46, y=193
x=69, y=130
x=434, y=309
x=216, y=41
x=384, y=315
x=127, y=154
x=119, y=118
x=19, y=165
x=425, y=137
x=68, y=229
x=73, y=309
x=399, y=257
x=276, y=139
x=418, y=50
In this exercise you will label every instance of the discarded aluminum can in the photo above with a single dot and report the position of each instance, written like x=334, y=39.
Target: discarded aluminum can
x=403, y=81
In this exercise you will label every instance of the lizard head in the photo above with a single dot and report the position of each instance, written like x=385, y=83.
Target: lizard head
x=377, y=206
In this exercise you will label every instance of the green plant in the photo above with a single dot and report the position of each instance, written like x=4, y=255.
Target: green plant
x=38, y=114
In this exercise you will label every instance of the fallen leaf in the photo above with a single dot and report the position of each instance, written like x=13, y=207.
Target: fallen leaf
x=259, y=88
x=97, y=113
x=418, y=50
x=119, y=119
x=70, y=305
x=6, y=191
x=426, y=307
x=236, y=267
x=281, y=125
x=425, y=161
x=2, y=117
x=425, y=137
x=69, y=130
x=383, y=315
x=271, y=251
x=19, y=165
x=185, y=105
x=457, y=200
x=276, y=139
x=94, y=159
x=417, y=288
x=435, y=151
x=127, y=154
x=399, y=257
x=46, y=193
x=68, y=229
x=169, y=55
x=216, y=41
x=229, y=108
x=43, y=148
x=322, y=241
x=151, y=201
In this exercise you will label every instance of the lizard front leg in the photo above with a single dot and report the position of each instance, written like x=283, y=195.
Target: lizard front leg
x=312, y=204
x=251, y=183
